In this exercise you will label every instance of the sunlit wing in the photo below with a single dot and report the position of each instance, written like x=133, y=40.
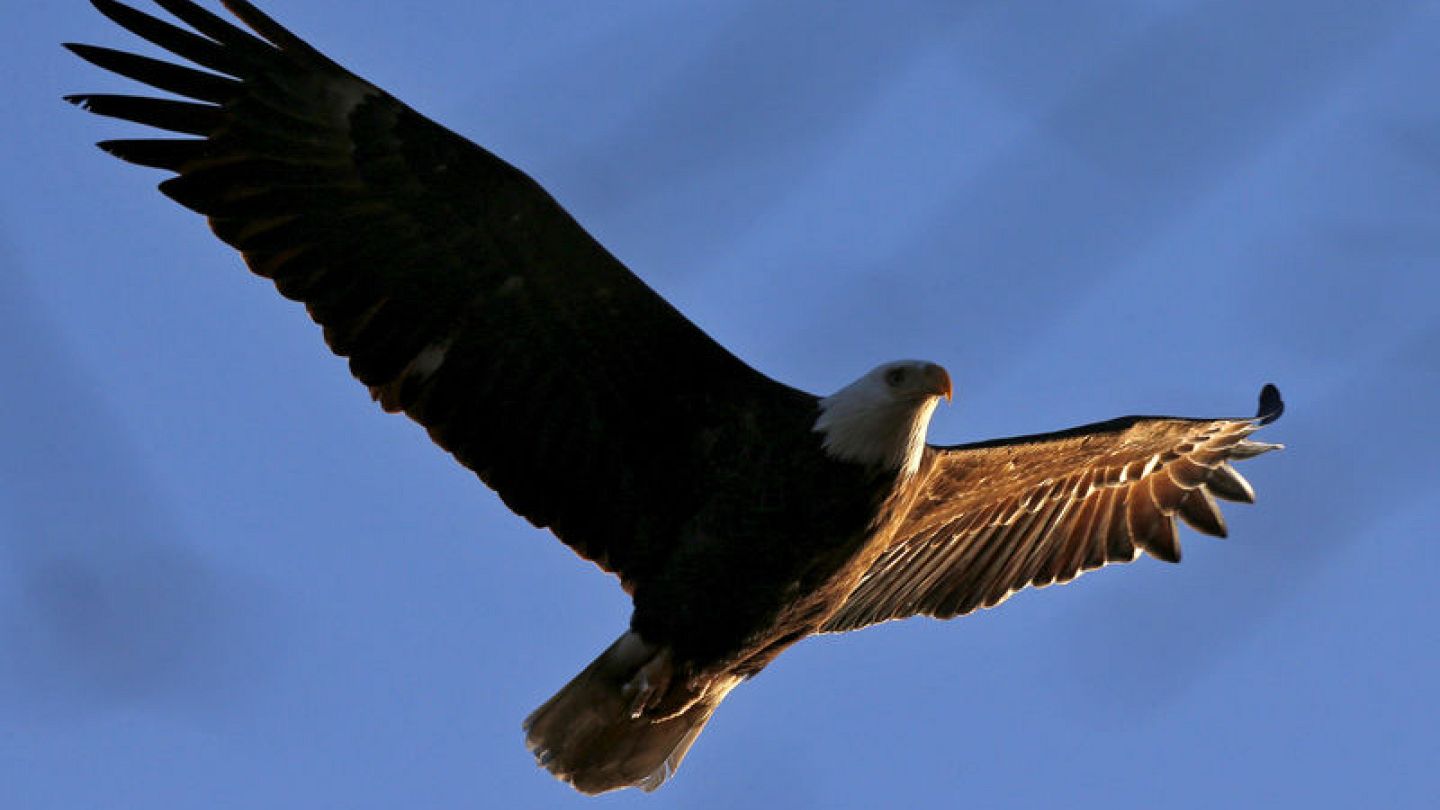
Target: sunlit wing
x=998, y=516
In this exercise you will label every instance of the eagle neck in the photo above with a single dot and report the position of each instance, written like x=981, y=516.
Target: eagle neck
x=883, y=433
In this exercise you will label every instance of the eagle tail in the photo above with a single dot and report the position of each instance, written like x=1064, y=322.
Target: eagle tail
x=589, y=733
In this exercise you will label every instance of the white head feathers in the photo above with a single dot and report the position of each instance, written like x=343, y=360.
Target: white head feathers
x=880, y=419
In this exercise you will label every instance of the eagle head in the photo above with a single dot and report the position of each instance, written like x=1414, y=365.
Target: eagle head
x=880, y=419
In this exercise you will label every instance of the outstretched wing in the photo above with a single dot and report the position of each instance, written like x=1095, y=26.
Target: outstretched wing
x=997, y=516
x=462, y=293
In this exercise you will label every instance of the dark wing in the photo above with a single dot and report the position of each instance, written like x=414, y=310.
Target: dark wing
x=997, y=516
x=460, y=291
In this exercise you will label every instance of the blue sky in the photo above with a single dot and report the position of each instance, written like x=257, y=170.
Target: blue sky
x=227, y=580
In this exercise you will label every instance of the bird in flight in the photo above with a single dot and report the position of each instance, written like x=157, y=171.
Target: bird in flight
x=739, y=513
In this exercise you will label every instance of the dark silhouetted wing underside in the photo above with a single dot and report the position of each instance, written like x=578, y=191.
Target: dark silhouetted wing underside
x=460, y=291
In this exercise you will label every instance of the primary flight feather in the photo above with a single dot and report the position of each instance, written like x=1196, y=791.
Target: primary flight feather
x=741, y=514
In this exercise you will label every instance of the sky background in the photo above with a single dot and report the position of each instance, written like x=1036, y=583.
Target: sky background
x=227, y=580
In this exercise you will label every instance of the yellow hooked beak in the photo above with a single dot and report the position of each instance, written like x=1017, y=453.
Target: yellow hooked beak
x=938, y=381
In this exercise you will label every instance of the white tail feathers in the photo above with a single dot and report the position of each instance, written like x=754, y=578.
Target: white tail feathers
x=587, y=734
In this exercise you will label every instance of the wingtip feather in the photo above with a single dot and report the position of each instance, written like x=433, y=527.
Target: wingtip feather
x=1199, y=510
x=1250, y=449
x=1226, y=483
x=1271, y=405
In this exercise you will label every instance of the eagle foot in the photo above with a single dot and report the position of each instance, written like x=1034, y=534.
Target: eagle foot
x=649, y=685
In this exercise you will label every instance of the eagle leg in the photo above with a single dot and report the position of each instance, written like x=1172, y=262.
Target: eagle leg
x=650, y=683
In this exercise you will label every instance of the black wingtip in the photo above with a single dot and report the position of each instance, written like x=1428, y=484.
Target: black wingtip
x=1271, y=405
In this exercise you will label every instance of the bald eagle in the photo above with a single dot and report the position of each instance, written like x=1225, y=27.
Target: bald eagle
x=739, y=513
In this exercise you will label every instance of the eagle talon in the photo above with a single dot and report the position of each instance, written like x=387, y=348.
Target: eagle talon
x=639, y=692
x=649, y=685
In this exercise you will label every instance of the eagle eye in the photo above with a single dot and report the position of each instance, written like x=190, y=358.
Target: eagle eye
x=894, y=377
